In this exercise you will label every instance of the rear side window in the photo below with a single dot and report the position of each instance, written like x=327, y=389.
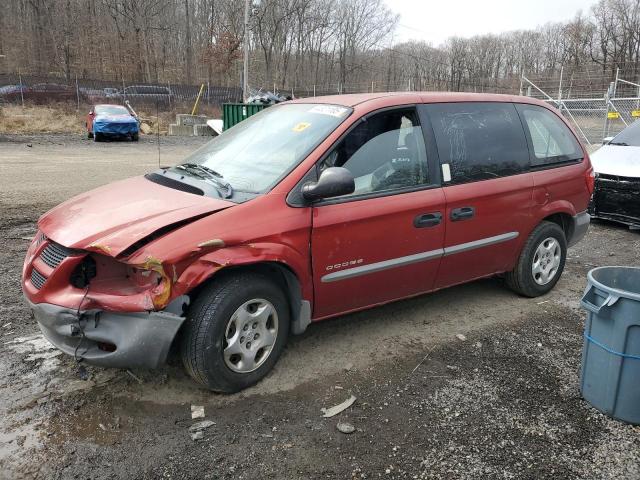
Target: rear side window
x=479, y=140
x=551, y=140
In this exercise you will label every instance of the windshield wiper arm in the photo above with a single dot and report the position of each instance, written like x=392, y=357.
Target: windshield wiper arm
x=209, y=170
x=622, y=144
x=207, y=173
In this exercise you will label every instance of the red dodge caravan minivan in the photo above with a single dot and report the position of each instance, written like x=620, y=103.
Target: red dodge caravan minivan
x=308, y=210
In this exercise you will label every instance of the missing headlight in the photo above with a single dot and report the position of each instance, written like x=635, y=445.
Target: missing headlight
x=84, y=272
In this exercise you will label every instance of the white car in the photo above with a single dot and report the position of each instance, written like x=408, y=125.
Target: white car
x=617, y=165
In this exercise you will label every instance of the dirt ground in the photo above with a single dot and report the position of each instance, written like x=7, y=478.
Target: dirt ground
x=502, y=403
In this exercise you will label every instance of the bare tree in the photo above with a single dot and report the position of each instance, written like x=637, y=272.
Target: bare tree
x=323, y=45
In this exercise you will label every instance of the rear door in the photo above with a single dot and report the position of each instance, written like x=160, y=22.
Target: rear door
x=383, y=242
x=487, y=185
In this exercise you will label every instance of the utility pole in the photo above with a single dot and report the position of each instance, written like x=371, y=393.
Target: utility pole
x=189, y=46
x=560, y=85
x=245, y=71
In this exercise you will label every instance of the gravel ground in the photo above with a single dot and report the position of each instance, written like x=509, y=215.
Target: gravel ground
x=502, y=403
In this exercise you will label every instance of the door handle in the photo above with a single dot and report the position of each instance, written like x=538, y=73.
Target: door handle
x=427, y=220
x=462, y=213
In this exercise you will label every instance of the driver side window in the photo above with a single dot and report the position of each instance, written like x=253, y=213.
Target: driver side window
x=384, y=152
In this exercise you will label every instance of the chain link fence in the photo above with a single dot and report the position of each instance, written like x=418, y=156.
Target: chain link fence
x=599, y=103
x=29, y=89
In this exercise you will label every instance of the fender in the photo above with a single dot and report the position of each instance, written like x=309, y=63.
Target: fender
x=554, y=207
x=544, y=211
x=246, y=254
x=293, y=266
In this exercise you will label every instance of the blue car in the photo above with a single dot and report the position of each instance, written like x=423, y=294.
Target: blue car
x=111, y=121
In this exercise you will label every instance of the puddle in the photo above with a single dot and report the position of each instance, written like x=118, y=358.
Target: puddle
x=19, y=439
x=33, y=344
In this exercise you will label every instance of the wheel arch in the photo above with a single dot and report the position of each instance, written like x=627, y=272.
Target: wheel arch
x=564, y=221
x=282, y=275
x=560, y=212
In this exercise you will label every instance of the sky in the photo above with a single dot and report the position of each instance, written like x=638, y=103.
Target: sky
x=436, y=20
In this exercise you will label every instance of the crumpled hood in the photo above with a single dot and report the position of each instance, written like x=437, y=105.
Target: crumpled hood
x=617, y=160
x=115, y=119
x=113, y=217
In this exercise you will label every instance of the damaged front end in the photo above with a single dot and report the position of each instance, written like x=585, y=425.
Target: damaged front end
x=109, y=339
x=617, y=199
x=99, y=308
x=94, y=288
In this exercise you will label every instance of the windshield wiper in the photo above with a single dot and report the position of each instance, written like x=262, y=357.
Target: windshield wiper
x=622, y=144
x=206, y=173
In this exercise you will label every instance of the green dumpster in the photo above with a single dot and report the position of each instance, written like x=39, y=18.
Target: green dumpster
x=234, y=113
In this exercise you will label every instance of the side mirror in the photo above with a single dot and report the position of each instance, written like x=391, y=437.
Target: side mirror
x=607, y=140
x=333, y=182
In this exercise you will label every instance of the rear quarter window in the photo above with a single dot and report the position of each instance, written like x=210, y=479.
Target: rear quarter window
x=479, y=140
x=551, y=141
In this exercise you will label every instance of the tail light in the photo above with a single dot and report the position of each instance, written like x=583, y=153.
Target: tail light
x=590, y=178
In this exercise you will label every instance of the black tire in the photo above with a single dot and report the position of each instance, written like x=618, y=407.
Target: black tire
x=203, y=336
x=521, y=278
x=97, y=137
x=134, y=137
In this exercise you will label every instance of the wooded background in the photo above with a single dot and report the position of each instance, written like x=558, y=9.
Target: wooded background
x=331, y=45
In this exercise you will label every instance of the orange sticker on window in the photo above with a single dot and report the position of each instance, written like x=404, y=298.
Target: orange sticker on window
x=301, y=126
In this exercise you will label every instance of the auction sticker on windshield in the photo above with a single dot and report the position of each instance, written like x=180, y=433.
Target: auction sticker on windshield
x=333, y=110
x=301, y=126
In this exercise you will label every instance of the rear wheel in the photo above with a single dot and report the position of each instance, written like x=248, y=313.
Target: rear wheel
x=134, y=137
x=235, y=331
x=97, y=137
x=541, y=261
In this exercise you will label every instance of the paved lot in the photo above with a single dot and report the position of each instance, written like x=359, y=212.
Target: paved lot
x=504, y=403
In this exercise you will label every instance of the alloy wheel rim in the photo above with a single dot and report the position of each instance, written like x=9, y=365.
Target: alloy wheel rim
x=250, y=335
x=546, y=261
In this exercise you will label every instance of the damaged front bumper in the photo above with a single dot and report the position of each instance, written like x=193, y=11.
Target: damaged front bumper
x=617, y=199
x=109, y=339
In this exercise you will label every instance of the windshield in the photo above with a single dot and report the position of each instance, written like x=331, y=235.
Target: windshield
x=111, y=110
x=254, y=155
x=630, y=136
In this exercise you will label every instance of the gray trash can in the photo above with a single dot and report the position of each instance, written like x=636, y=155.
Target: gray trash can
x=610, y=378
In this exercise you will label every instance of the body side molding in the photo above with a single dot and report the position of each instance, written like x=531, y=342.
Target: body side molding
x=417, y=257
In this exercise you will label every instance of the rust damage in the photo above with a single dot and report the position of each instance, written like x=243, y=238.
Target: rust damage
x=100, y=248
x=214, y=243
x=161, y=294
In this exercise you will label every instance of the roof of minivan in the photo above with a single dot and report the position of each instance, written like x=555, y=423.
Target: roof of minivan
x=353, y=99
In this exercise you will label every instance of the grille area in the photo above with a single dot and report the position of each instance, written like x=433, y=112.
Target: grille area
x=54, y=254
x=618, y=198
x=37, y=279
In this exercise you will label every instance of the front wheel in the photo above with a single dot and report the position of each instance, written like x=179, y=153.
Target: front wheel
x=235, y=331
x=541, y=261
x=134, y=137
